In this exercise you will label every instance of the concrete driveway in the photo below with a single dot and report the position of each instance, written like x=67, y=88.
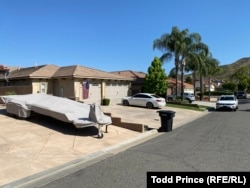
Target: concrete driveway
x=40, y=143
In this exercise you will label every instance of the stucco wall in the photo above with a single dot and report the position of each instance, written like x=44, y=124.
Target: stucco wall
x=66, y=87
x=42, y=86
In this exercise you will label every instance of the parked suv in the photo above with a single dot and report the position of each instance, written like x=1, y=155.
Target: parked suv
x=187, y=96
x=241, y=95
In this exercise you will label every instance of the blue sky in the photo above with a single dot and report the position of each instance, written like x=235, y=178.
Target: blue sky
x=114, y=35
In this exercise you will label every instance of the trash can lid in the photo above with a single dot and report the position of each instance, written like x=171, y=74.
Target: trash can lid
x=166, y=111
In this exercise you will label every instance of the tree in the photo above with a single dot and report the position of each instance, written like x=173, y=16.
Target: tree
x=240, y=77
x=212, y=69
x=172, y=73
x=155, y=80
x=179, y=44
x=202, y=63
x=229, y=85
x=248, y=83
x=189, y=80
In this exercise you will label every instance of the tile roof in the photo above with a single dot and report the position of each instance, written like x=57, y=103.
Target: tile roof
x=130, y=74
x=172, y=81
x=53, y=71
x=43, y=71
x=78, y=71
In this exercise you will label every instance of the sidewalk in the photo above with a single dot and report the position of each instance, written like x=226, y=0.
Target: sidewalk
x=28, y=147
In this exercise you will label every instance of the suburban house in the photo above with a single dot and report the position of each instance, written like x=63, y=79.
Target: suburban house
x=188, y=88
x=212, y=86
x=137, y=86
x=75, y=82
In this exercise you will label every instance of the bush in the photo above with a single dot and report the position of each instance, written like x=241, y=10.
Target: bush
x=218, y=93
x=10, y=93
x=105, y=102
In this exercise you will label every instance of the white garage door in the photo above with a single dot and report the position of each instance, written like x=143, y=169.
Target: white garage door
x=115, y=91
x=94, y=95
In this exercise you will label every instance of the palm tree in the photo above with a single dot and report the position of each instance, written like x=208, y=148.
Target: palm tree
x=179, y=45
x=212, y=69
x=192, y=67
x=170, y=45
x=202, y=69
x=206, y=66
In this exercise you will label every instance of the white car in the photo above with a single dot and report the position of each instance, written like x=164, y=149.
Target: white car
x=187, y=96
x=227, y=102
x=147, y=100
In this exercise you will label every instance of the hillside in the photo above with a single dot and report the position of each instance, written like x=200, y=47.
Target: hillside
x=229, y=69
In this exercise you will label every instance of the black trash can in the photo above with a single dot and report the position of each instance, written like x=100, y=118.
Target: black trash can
x=166, y=120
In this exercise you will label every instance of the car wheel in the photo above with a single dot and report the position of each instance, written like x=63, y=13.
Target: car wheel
x=170, y=99
x=125, y=103
x=149, y=105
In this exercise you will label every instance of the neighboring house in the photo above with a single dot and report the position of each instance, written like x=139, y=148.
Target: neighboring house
x=214, y=84
x=75, y=82
x=217, y=83
x=137, y=86
x=29, y=80
x=188, y=88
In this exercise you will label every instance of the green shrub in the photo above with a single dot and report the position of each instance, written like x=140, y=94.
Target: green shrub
x=218, y=93
x=105, y=102
x=10, y=93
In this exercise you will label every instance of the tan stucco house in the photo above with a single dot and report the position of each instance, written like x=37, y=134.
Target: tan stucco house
x=137, y=85
x=68, y=81
x=188, y=88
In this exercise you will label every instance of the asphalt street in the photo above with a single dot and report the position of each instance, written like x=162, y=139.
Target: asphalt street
x=218, y=141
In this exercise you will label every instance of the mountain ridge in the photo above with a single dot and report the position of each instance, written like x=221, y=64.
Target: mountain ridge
x=229, y=69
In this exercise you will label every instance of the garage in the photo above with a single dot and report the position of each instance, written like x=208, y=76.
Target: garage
x=115, y=90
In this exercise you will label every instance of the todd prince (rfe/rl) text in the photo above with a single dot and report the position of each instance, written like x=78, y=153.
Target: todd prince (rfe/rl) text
x=176, y=179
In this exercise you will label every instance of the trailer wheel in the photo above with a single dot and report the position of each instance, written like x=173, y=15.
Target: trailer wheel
x=100, y=135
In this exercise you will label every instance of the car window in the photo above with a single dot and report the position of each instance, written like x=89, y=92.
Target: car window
x=138, y=96
x=227, y=98
x=156, y=96
x=141, y=96
x=145, y=96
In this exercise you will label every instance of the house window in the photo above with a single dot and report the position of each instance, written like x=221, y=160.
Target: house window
x=43, y=88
